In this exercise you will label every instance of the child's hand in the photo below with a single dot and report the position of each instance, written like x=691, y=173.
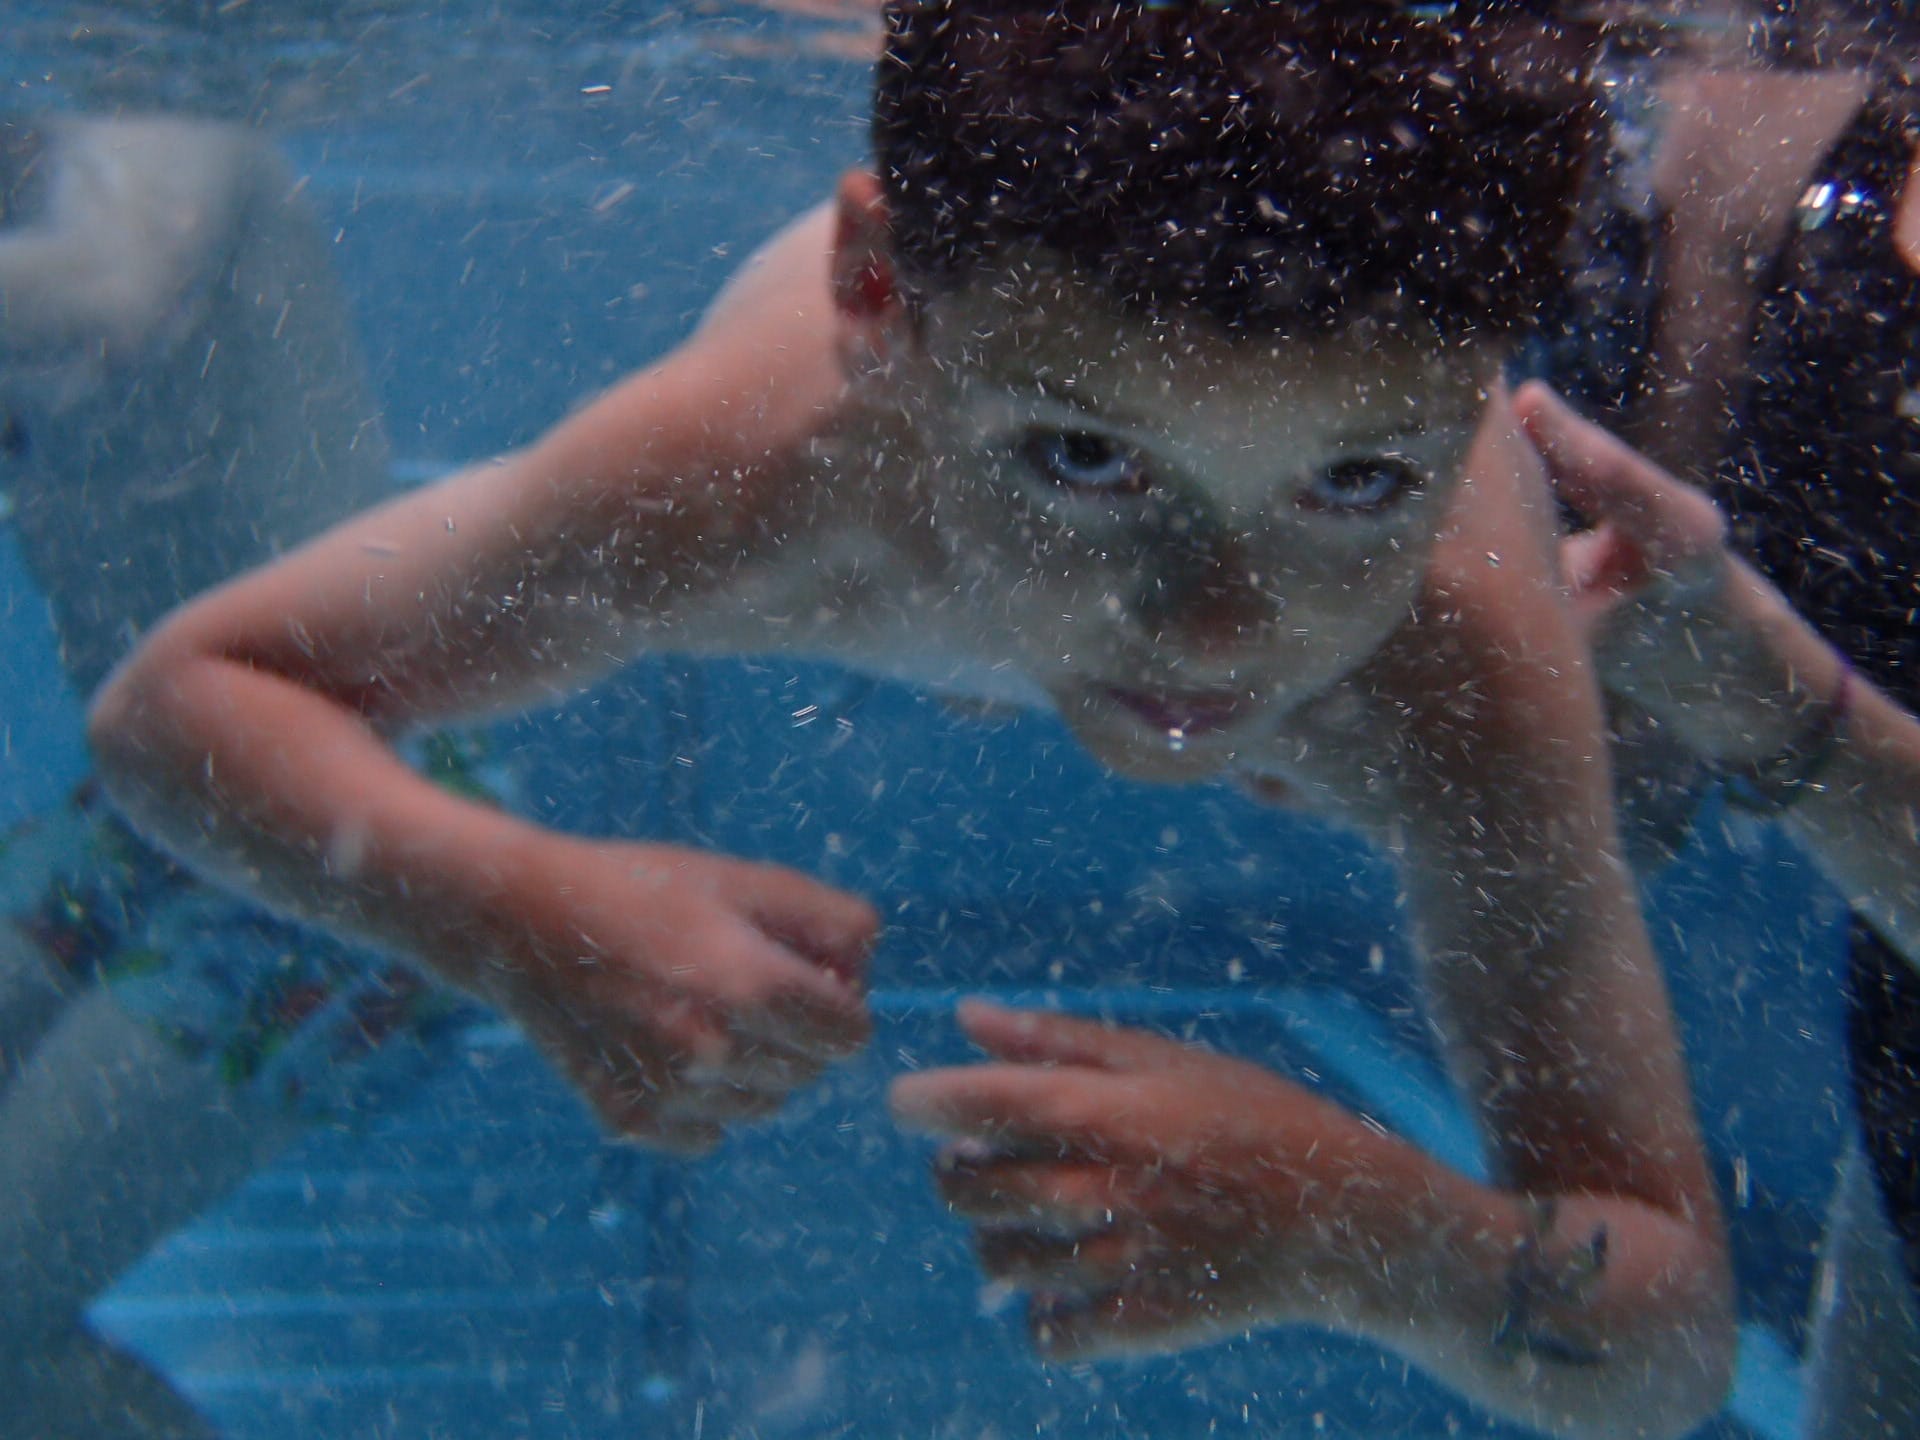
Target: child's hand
x=1676, y=622
x=1655, y=541
x=680, y=991
x=1150, y=1196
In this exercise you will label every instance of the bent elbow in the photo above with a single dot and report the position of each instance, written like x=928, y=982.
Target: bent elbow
x=134, y=733
x=115, y=716
x=1693, y=1395
x=1663, y=1391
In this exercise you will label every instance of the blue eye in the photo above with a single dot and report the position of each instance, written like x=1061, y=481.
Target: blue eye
x=1363, y=484
x=1084, y=463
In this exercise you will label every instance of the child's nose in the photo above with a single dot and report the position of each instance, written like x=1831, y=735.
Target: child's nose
x=1205, y=593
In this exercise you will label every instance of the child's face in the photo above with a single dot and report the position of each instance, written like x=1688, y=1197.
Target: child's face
x=1180, y=536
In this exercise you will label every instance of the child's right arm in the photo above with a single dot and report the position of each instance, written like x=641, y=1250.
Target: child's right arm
x=248, y=734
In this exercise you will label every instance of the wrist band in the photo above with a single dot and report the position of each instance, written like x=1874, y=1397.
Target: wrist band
x=1775, y=782
x=1534, y=1281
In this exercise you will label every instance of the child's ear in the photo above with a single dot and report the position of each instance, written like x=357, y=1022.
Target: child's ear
x=866, y=292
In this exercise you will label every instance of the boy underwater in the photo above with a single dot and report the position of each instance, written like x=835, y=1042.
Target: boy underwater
x=1159, y=365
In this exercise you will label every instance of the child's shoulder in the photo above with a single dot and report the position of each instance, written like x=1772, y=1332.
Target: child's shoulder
x=736, y=413
x=783, y=290
x=765, y=357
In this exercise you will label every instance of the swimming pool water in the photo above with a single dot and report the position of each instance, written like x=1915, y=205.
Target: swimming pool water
x=476, y=1260
x=527, y=201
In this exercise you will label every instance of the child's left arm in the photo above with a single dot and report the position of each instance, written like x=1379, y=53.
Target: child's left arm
x=1592, y=1283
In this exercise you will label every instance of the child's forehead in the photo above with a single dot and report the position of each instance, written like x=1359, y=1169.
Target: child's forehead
x=1034, y=321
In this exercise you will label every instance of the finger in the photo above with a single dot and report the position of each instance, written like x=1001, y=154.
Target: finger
x=610, y=1015
x=829, y=927
x=1064, y=1111
x=1075, y=1196
x=636, y=1104
x=817, y=1025
x=627, y=1081
x=1039, y=1037
x=1605, y=479
x=638, y=1098
x=720, y=1105
x=1601, y=567
x=1587, y=558
x=1087, y=1264
x=823, y=1023
x=1060, y=1197
x=759, y=1065
x=762, y=992
x=610, y=1076
x=627, y=1106
x=682, y=1043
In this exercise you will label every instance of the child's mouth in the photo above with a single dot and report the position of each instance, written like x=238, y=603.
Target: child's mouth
x=1187, y=712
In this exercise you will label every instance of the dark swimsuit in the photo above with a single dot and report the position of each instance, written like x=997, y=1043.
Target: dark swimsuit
x=1822, y=480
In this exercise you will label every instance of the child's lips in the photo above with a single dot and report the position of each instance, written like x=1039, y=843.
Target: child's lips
x=1189, y=712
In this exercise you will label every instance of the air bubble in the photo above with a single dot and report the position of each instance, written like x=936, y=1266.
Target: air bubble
x=1818, y=205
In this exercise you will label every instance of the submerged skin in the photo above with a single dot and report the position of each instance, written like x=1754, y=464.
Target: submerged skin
x=163, y=291
x=1719, y=654
x=1706, y=645
x=1260, y=547
x=1697, y=635
x=180, y=399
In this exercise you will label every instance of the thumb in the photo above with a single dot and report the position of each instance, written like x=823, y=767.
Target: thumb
x=1607, y=481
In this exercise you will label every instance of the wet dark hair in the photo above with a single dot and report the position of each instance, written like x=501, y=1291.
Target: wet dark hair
x=1281, y=167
